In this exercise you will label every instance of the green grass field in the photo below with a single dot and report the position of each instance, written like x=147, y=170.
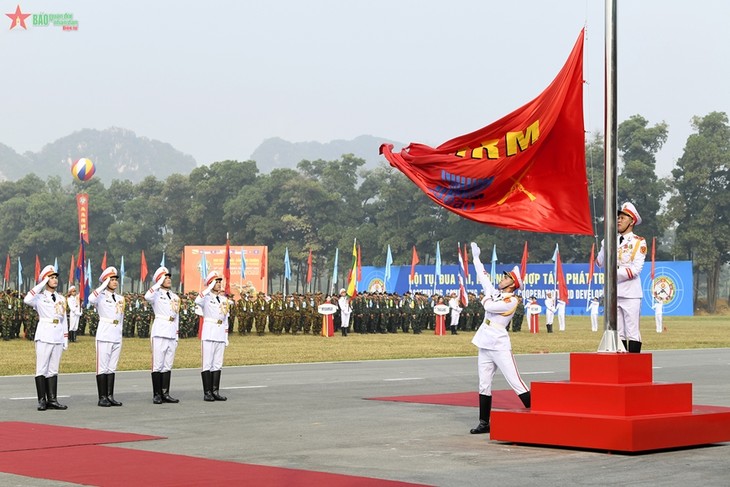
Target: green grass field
x=17, y=357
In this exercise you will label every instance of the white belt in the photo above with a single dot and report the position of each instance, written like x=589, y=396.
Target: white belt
x=165, y=318
x=108, y=320
x=49, y=321
x=212, y=321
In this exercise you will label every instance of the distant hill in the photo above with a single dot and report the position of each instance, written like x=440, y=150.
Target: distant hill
x=275, y=153
x=117, y=153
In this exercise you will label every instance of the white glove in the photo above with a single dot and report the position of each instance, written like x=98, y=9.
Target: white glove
x=209, y=288
x=65, y=344
x=103, y=286
x=158, y=284
x=475, y=250
x=40, y=286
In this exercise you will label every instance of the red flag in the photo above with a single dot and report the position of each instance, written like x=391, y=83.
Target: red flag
x=103, y=262
x=562, y=286
x=81, y=271
x=142, y=268
x=309, y=267
x=182, y=265
x=523, y=264
x=359, y=263
x=352, y=273
x=653, y=249
x=466, y=262
x=525, y=171
x=227, y=267
x=591, y=264
x=37, y=267
x=71, y=270
x=263, y=263
x=414, y=261
x=7, y=268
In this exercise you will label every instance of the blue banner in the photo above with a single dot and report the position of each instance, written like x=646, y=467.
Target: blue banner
x=672, y=282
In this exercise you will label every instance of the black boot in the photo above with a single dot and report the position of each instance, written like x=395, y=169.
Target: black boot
x=216, y=385
x=634, y=346
x=485, y=409
x=207, y=385
x=526, y=399
x=156, y=387
x=110, y=390
x=52, y=393
x=40, y=387
x=549, y=328
x=166, y=397
x=101, y=387
x=453, y=330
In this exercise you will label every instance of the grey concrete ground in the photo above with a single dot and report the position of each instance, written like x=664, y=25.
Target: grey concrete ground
x=314, y=417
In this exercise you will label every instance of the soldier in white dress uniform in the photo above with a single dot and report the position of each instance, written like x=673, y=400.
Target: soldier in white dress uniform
x=74, y=312
x=492, y=339
x=631, y=256
x=164, y=334
x=455, y=313
x=345, y=311
x=51, y=336
x=110, y=307
x=213, y=335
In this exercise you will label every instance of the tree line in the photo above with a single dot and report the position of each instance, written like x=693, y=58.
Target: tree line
x=324, y=205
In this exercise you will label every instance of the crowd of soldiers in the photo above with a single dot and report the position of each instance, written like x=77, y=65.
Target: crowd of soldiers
x=259, y=313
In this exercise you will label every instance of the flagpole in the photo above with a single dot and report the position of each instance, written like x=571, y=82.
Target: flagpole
x=610, y=341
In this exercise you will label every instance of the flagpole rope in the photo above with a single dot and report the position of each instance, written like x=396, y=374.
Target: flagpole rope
x=589, y=132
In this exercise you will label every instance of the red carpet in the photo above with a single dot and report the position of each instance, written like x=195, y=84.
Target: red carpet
x=500, y=399
x=43, y=451
x=15, y=436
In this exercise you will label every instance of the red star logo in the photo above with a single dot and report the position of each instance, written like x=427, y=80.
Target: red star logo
x=18, y=19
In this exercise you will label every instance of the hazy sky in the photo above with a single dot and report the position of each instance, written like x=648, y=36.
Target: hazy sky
x=216, y=78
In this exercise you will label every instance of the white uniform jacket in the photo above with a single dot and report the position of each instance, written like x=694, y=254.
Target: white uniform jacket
x=216, y=309
x=631, y=255
x=110, y=307
x=498, y=310
x=166, y=306
x=52, y=324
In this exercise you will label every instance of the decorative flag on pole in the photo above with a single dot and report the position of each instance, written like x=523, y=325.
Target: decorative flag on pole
x=162, y=261
x=525, y=171
x=87, y=284
x=466, y=262
x=388, y=265
x=7, y=269
x=55, y=264
x=352, y=275
x=122, y=273
x=20, y=275
x=653, y=249
x=493, y=270
x=203, y=266
x=560, y=278
x=414, y=261
x=309, y=267
x=287, y=265
x=82, y=207
x=227, y=267
x=182, y=265
x=142, y=269
x=37, y=267
x=71, y=270
x=103, y=262
x=463, y=297
x=437, y=270
x=359, y=263
x=243, y=264
x=523, y=264
x=80, y=274
x=334, y=271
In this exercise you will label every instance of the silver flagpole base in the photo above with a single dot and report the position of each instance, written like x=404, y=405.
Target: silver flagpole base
x=611, y=343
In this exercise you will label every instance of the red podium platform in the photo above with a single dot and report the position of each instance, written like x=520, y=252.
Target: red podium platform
x=611, y=403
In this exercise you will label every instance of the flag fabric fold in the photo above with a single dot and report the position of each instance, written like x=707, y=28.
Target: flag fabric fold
x=525, y=171
x=352, y=274
x=227, y=267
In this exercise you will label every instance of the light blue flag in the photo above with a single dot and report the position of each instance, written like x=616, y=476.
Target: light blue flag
x=162, y=262
x=287, y=265
x=243, y=264
x=388, y=264
x=121, y=276
x=55, y=264
x=20, y=274
x=438, y=259
x=203, y=266
x=334, y=272
x=493, y=272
